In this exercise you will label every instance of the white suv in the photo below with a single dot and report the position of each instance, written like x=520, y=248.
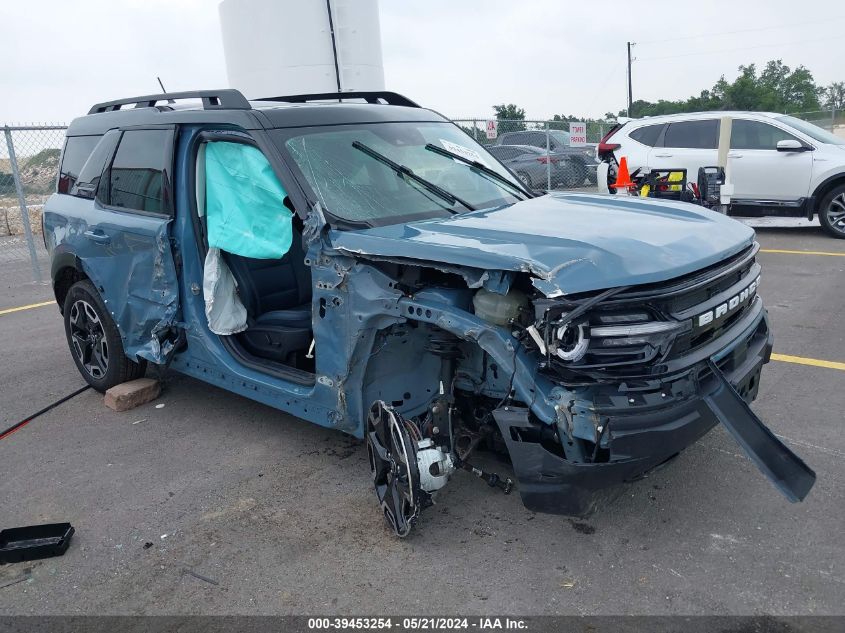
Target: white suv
x=780, y=165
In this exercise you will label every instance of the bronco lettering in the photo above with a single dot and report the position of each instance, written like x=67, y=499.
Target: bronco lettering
x=728, y=306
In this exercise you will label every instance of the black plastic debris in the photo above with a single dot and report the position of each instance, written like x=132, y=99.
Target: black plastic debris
x=34, y=541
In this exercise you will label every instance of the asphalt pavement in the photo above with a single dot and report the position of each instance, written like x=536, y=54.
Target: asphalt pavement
x=215, y=504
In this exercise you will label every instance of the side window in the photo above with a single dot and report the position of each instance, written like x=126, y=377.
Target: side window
x=692, y=134
x=647, y=135
x=756, y=135
x=89, y=176
x=139, y=177
x=77, y=150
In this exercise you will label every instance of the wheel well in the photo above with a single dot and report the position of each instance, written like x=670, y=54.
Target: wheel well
x=64, y=279
x=823, y=189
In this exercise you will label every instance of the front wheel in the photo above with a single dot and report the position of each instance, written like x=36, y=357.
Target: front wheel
x=571, y=175
x=525, y=179
x=832, y=212
x=94, y=340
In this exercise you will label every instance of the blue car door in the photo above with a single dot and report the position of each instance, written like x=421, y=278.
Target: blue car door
x=117, y=220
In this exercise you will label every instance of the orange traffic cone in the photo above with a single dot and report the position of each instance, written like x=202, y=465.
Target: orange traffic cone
x=623, y=178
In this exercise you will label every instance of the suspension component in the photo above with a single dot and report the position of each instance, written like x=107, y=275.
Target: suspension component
x=493, y=480
x=434, y=465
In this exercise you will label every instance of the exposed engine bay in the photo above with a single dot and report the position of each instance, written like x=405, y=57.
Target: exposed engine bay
x=578, y=393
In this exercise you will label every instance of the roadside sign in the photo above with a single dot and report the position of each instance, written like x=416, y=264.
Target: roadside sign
x=577, y=133
x=492, y=129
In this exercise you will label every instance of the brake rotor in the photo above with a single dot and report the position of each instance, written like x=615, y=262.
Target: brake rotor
x=393, y=462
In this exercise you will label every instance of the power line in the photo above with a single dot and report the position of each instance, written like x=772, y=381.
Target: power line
x=744, y=48
x=764, y=28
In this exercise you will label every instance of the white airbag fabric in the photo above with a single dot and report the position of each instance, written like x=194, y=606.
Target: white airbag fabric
x=223, y=308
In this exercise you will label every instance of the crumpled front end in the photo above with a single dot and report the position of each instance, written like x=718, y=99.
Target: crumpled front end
x=617, y=431
x=582, y=391
x=639, y=374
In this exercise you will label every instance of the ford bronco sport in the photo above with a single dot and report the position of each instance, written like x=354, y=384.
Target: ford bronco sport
x=359, y=262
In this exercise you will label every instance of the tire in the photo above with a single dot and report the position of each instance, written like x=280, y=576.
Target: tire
x=94, y=341
x=571, y=171
x=525, y=179
x=832, y=212
x=580, y=175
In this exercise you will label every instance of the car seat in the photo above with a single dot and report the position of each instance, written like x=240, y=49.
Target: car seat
x=277, y=297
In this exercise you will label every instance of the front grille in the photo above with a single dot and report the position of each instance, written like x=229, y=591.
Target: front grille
x=673, y=300
x=682, y=299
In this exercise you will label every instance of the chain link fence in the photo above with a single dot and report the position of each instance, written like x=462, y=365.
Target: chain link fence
x=832, y=120
x=29, y=164
x=550, y=155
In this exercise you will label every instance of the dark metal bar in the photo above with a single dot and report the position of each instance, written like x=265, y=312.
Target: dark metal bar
x=227, y=98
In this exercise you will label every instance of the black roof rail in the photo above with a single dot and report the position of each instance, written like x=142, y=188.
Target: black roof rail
x=225, y=99
x=390, y=98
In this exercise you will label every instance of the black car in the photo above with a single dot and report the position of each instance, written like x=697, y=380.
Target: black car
x=557, y=143
x=537, y=169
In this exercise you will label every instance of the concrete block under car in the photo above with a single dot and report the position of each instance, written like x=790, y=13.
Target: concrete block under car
x=134, y=393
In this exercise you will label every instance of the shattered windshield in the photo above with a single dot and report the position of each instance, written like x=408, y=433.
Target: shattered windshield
x=352, y=186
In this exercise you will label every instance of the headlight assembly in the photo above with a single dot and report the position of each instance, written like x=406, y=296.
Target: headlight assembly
x=572, y=341
x=604, y=338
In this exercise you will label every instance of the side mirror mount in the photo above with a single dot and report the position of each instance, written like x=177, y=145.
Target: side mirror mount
x=791, y=145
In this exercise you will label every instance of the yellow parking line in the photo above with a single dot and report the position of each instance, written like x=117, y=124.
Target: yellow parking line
x=787, y=252
x=800, y=360
x=29, y=307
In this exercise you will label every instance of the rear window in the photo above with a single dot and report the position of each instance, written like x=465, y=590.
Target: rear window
x=139, y=173
x=558, y=137
x=647, y=135
x=502, y=153
x=76, y=153
x=89, y=176
x=692, y=134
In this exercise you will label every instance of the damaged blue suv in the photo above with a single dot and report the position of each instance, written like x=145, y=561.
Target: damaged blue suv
x=358, y=261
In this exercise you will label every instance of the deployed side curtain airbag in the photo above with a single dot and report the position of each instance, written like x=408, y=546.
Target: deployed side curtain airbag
x=244, y=202
x=223, y=308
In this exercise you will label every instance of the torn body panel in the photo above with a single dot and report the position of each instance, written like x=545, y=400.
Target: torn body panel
x=132, y=265
x=630, y=429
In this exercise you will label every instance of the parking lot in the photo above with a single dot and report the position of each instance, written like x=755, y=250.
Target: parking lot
x=215, y=504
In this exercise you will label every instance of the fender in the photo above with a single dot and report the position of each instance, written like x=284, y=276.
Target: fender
x=821, y=189
x=66, y=259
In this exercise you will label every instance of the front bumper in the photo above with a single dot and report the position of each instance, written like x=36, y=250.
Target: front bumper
x=643, y=428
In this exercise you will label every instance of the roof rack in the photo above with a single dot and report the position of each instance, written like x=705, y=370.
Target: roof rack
x=389, y=98
x=227, y=98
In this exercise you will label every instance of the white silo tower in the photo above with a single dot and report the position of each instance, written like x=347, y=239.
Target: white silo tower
x=286, y=47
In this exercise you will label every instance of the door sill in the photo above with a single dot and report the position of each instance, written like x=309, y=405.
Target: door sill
x=268, y=367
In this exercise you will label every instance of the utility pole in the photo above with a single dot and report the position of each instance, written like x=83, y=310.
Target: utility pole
x=630, y=91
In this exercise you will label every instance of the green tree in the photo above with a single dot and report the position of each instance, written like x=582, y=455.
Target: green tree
x=834, y=95
x=513, y=114
x=776, y=88
x=509, y=112
x=800, y=91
